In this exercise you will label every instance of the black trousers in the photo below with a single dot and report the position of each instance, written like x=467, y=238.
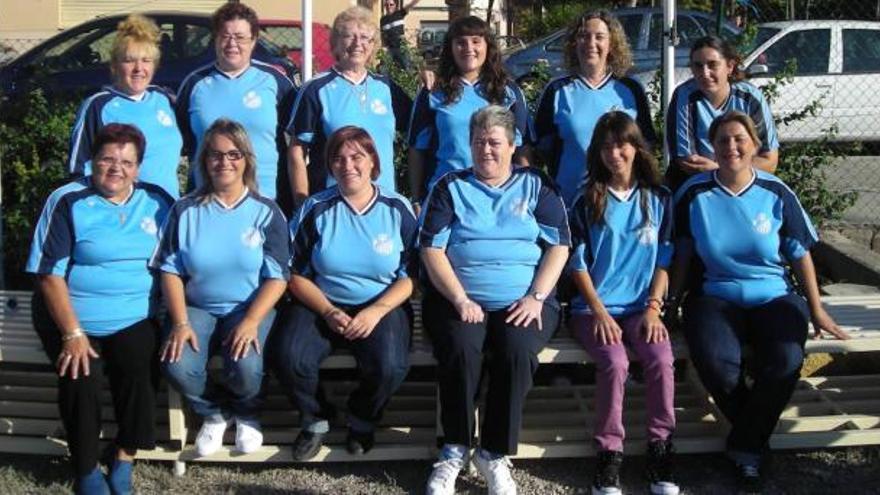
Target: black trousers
x=129, y=359
x=511, y=355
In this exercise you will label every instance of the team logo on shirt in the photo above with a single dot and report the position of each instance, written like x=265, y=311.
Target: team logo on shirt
x=382, y=244
x=520, y=208
x=647, y=235
x=252, y=100
x=378, y=107
x=761, y=224
x=251, y=238
x=164, y=119
x=149, y=226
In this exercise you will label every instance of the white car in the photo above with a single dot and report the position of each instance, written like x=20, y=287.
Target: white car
x=838, y=63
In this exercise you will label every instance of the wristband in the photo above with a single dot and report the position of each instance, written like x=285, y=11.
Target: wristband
x=182, y=324
x=73, y=334
x=655, y=304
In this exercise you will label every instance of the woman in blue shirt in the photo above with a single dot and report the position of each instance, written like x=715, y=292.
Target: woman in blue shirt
x=96, y=294
x=621, y=229
x=134, y=57
x=745, y=225
x=598, y=57
x=353, y=258
x=224, y=259
x=494, y=240
x=470, y=77
x=716, y=88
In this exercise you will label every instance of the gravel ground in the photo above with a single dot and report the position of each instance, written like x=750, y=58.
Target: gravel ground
x=850, y=471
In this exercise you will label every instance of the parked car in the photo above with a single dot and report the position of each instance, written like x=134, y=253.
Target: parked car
x=288, y=37
x=643, y=28
x=838, y=64
x=76, y=60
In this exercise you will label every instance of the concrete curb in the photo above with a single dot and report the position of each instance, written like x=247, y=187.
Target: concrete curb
x=846, y=261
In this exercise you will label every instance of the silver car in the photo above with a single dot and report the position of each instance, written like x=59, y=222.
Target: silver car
x=643, y=28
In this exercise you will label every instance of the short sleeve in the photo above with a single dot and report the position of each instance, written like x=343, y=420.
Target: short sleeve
x=166, y=258
x=666, y=230
x=521, y=116
x=303, y=237
x=680, y=138
x=545, y=134
x=306, y=114
x=88, y=122
x=53, y=240
x=181, y=109
x=643, y=110
x=422, y=126
x=551, y=216
x=276, y=247
x=287, y=93
x=581, y=254
x=797, y=232
x=682, y=214
x=408, y=231
x=763, y=118
x=402, y=104
x=438, y=215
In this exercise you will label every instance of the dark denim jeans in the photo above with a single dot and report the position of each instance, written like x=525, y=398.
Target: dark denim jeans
x=301, y=342
x=716, y=332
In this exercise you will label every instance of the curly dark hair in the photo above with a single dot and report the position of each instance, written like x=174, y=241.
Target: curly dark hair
x=619, y=55
x=232, y=11
x=493, y=75
x=621, y=128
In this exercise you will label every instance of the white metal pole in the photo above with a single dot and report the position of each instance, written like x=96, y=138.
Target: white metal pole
x=667, y=83
x=307, y=48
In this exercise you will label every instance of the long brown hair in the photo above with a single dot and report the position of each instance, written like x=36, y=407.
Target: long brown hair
x=493, y=76
x=621, y=128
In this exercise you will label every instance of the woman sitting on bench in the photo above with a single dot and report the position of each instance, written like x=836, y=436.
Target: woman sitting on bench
x=745, y=225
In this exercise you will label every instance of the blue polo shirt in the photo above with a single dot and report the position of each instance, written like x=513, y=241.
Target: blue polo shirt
x=494, y=237
x=224, y=253
x=621, y=252
x=743, y=239
x=153, y=114
x=354, y=256
x=443, y=128
x=330, y=101
x=260, y=99
x=568, y=111
x=691, y=114
x=101, y=249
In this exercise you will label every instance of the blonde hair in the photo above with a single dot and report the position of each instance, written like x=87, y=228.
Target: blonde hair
x=361, y=17
x=135, y=30
x=236, y=133
x=619, y=54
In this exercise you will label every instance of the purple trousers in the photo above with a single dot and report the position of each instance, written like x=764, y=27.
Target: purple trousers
x=612, y=365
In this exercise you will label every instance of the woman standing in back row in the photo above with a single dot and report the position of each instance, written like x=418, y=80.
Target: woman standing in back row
x=598, y=56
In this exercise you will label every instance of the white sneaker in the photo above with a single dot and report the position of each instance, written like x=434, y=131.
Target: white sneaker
x=210, y=437
x=248, y=436
x=442, y=479
x=496, y=473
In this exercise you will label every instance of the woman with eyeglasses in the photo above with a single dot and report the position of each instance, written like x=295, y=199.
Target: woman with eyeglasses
x=224, y=256
x=131, y=99
x=97, y=299
x=598, y=56
x=348, y=94
x=717, y=87
x=471, y=76
x=236, y=86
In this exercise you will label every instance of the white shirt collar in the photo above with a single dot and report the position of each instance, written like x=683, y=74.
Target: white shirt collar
x=234, y=203
x=622, y=196
x=601, y=83
x=741, y=191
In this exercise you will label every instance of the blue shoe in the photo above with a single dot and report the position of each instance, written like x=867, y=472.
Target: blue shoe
x=120, y=477
x=92, y=484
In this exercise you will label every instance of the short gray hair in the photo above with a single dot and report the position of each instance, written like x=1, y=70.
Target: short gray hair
x=494, y=116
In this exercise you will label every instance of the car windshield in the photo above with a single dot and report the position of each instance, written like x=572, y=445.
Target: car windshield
x=763, y=34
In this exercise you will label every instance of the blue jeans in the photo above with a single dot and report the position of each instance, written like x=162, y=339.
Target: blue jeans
x=716, y=331
x=302, y=340
x=237, y=388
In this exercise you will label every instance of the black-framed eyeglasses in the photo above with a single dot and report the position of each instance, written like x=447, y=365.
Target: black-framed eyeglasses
x=231, y=155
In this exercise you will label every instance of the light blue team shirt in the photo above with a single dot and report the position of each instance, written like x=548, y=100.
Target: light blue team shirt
x=153, y=114
x=222, y=253
x=743, y=239
x=101, y=249
x=260, y=99
x=621, y=253
x=691, y=114
x=494, y=237
x=353, y=257
x=330, y=101
x=568, y=111
x=445, y=127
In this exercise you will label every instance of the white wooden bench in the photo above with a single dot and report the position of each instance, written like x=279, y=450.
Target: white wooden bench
x=825, y=411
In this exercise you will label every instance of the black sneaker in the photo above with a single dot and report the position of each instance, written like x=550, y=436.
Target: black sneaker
x=607, y=478
x=658, y=468
x=307, y=445
x=359, y=443
x=748, y=478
